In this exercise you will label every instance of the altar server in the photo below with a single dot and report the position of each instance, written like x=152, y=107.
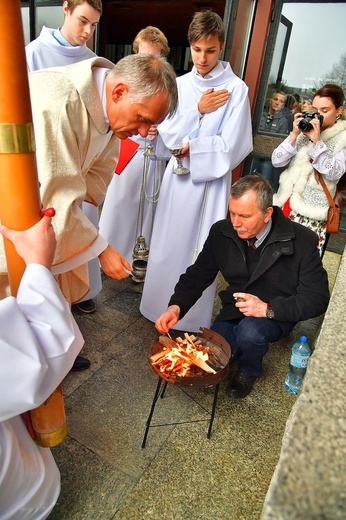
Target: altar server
x=213, y=121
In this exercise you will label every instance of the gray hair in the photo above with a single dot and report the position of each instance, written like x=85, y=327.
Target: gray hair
x=258, y=184
x=147, y=75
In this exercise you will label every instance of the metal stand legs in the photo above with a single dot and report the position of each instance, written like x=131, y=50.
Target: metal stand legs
x=157, y=395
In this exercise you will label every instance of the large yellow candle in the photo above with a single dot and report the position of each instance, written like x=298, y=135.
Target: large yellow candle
x=20, y=206
x=19, y=194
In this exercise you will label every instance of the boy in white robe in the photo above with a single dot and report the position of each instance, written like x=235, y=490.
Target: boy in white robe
x=67, y=45
x=57, y=47
x=213, y=121
x=39, y=341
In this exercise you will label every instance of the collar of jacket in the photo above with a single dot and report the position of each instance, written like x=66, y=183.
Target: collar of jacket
x=281, y=234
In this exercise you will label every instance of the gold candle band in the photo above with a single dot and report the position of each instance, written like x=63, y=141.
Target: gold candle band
x=17, y=138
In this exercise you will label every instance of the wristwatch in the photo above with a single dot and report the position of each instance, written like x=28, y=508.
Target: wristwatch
x=269, y=312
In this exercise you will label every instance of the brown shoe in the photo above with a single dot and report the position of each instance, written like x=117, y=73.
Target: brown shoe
x=241, y=385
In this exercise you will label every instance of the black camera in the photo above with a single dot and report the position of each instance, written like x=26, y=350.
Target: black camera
x=305, y=125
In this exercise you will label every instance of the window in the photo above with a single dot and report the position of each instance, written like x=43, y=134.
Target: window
x=305, y=50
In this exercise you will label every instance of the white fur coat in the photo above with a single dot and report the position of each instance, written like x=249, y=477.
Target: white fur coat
x=298, y=182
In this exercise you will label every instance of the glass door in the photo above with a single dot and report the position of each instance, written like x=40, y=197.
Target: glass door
x=305, y=50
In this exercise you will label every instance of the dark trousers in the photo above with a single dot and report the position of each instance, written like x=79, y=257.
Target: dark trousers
x=249, y=339
x=269, y=172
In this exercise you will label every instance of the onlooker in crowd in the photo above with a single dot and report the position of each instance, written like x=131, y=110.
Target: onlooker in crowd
x=292, y=106
x=274, y=120
x=130, y=203
x=323, y=148
x=54, y=47
x=274, y=274
x=287, y=111
x=39, y=342
x=293, y=103
x=295, y=106
x=213, y=122
x=306, y=105
x=80, y=112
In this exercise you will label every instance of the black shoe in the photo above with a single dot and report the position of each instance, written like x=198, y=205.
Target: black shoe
x=81, y=363
x=241, y=385
x=88, y=306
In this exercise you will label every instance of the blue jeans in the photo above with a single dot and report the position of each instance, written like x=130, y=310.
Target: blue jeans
x=249, y=339
x=267, y=170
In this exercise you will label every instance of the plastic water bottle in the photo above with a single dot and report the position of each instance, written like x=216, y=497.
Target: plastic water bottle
x=298, y=364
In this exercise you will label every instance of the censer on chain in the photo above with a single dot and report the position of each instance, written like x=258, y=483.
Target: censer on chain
x=141, y=250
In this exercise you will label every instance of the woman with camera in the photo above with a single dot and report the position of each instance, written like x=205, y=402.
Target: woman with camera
x=317, y=143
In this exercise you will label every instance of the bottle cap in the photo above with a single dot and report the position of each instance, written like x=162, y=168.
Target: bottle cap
x=303, y=339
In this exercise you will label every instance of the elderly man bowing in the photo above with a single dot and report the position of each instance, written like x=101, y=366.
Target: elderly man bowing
x=80, y=112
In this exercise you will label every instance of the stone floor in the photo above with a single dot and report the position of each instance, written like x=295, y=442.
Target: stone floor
x=180, y=474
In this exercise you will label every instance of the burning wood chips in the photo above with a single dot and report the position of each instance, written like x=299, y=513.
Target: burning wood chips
x=183, y=357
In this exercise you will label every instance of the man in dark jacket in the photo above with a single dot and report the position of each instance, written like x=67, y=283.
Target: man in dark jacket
x=273, y=119
x=274, y=273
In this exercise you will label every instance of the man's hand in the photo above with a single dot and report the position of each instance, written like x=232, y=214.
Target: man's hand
x=168, y=319
x=250, y=305
x=114, y=264
x=35, y=245
x=212, y=100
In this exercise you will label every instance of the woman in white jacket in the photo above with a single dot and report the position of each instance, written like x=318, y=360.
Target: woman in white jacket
x=322, y=148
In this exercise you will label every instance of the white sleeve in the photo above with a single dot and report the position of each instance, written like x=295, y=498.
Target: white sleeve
x=332, y=166
x=39, y=342
x=93, y=251
x=282, y=155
